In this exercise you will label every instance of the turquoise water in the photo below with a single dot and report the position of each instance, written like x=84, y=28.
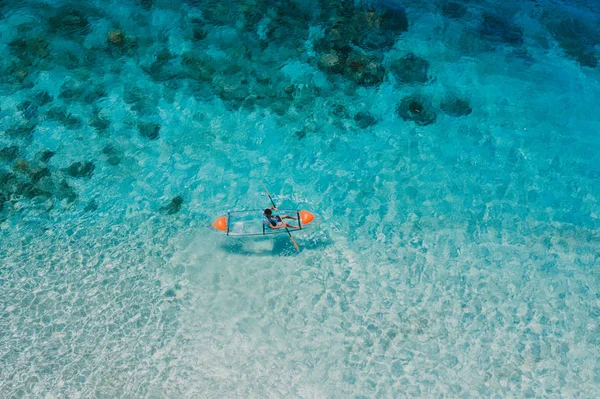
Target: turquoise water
x=450, y=148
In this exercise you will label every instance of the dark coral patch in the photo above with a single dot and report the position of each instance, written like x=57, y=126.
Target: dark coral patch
x=9, y=153
x=456, y=107
x=99, y=124
x=91, y=206
x=21, y=131
x=8, y=182
x=410, y=69
x=94, y=94
x=29, y=49
x=69, y=20
x=146, y=4
x=116, y=38
x=81, y=169
x=393, y=17
x=289, y=26
x=151, y=131
x=29, y=110
x=46, y=155
x=41, y=98
x=174, y=206
x=39, y=174
x=498, y=29
x=364, y=119
x=18, y=75
x=141, y=101
x=331, y=63
x=377, y=40
x=14, y=184
x=29, y=191
x=160, y=70
x=379, y=26
x=61, y=115
x=198, y=67
x=112, y=154
x=349, y=30
x=340, y=111
x=415, y=108
x=364, y=70
x=72, y=91
x=578, y=40
x=453, y=10
x=65, y=191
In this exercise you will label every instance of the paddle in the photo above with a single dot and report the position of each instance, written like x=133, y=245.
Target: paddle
x=286, y=229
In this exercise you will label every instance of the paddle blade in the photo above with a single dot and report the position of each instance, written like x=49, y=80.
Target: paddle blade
x=265, y=186
x=294, y=241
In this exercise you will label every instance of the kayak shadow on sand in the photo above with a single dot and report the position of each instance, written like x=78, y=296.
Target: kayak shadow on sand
x=275, y=246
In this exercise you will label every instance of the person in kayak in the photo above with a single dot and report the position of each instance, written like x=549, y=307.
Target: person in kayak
x=276, y=222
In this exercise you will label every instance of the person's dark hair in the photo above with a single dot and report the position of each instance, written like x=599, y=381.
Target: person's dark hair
x=268, y=212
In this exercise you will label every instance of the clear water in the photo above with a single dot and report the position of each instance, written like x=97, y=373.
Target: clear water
x=458, y=258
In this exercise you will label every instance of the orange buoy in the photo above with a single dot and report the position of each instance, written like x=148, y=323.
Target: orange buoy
x=221, y=223
x=306, y=217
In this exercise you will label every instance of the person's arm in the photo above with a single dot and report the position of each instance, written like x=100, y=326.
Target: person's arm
x=276, y=227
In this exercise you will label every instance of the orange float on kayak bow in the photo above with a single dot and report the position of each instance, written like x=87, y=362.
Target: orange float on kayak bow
x=221, y=223
x=306, y=217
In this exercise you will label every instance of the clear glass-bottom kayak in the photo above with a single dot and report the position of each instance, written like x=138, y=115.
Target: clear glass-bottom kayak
x=250, y=222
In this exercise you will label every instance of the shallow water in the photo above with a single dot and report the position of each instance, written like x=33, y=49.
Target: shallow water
x=451, y=150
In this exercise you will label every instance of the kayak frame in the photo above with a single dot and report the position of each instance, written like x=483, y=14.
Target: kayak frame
x=264, y=229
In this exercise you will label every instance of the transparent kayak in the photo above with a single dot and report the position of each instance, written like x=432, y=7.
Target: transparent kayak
x=250, y=222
